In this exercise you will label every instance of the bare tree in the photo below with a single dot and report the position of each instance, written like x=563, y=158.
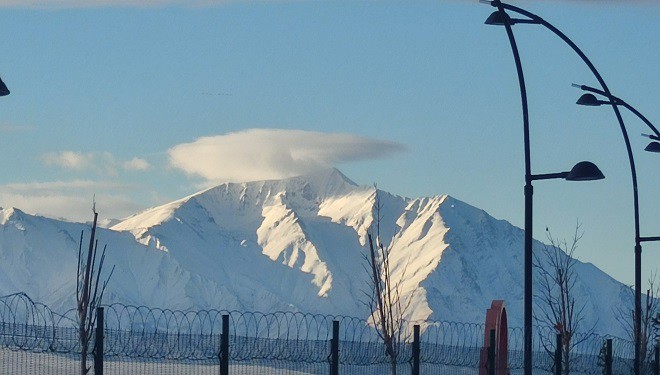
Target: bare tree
x=385, y=299
x=650, y=308
x=88, y=294
x=557, y=305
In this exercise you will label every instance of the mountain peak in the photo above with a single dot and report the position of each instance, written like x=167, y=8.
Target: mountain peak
x=329, y=174
x=318, y=184
x=8, y=213
x=329, y=177
x=326, y=181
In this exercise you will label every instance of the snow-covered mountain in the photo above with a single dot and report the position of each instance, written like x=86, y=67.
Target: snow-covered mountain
x=295, y=244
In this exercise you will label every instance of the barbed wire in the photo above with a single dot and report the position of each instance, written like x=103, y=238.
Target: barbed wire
x=154, y=333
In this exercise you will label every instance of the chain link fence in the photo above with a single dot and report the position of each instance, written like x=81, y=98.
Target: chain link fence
x=141, y=340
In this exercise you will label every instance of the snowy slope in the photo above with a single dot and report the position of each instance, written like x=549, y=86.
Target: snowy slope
x=293, y=244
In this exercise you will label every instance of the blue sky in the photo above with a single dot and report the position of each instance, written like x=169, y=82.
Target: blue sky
x=144, y=102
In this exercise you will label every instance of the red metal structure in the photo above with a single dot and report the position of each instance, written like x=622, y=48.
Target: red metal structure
x=496, y=320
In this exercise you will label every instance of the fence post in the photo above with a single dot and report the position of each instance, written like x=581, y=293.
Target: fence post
x=98, y=343
x=608, y=357
x=558, y=363
x=491, y=352
x=334, y=349
x=415, y=350
x=224, y=346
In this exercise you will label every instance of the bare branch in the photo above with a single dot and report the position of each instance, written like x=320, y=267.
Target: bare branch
x=388, y=304
x=88, y=297
x=558, y=307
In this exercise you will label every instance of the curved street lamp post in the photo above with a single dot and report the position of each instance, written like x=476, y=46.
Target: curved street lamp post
x=591, y=100
x=500, y=17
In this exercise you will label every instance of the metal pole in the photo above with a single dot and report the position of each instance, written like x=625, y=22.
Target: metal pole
x=224, y=346
x=657, y=359
x=415, y=350
x=638, y=295
x=98, y=344
x=637, y=322
x=527, y=359
x=491, y=352
x=558, y=350
x=638, y=301
x=334, y=349
x=601, y=81
x=529, y=191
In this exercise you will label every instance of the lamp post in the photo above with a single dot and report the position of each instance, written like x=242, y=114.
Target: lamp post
x=591, y=100
x=500, y=17
x=3, y=88
x=591, y=172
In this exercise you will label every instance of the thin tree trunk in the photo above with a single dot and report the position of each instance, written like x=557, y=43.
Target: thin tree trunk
x=83, y=358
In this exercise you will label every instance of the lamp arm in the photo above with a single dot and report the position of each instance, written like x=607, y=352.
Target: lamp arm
x=549, y=176
x=622, y=102
x=641, y=117
x=606, y=91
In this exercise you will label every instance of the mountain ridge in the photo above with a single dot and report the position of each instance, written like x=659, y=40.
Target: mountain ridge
x=296, y=244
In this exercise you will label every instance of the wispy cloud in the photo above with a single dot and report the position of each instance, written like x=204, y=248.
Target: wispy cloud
x=68, y=159
x=258, y=154
x=136, y=164
x=98, y=174
x=103, y=162
x=71, y=200
x=54, y=4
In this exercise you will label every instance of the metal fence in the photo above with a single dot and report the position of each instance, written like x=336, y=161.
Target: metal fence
x=141, y=340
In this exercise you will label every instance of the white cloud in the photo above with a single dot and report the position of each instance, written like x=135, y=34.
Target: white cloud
x=136, y=164
x=71, y=200
x=68, y=159
x=258, y=154
x=72, y=207
x=98, y=175
x=104, y=163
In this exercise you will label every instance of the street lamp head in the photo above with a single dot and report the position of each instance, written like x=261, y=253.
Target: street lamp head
x=497, y=18
x=653, y=147
x=500, y=18
x=585, y=171
x=3, y=88
x=589, y=100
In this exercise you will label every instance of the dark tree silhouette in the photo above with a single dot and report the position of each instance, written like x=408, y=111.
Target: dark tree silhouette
x=557, y=305
x=88, y=294
x=386, y=303
x=650, y=307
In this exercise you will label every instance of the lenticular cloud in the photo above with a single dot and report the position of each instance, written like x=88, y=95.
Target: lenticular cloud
x=261, y=154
